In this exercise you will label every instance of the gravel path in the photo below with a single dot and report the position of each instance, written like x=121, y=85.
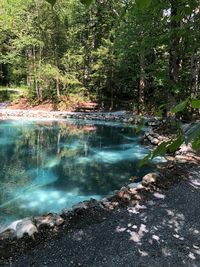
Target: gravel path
x=165, y=231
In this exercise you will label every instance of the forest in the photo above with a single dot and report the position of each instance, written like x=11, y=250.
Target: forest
x=99, y=133
x=139, y=55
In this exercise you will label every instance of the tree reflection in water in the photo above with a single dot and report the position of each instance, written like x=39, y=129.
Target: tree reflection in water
x=46, y=166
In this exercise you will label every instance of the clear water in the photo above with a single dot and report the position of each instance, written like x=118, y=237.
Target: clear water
x=50, y=165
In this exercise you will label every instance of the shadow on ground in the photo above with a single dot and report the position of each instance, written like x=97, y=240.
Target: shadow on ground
x=165, y=231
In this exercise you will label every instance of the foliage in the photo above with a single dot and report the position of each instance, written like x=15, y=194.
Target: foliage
x=143, y=4
x=142, y=53
x=192, y=135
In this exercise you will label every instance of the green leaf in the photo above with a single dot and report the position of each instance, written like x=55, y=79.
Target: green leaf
x=180, y=107
x=143, y=4
x=159, y=111
x=52, y=2
x=195, y=103
x=160, y=150
x=193, y=133
x=196, y=143
x=139, y=126
x=175, y=144
x=144, y=161
x=86, y=2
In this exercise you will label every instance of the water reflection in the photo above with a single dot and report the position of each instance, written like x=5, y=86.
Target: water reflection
x=46, y=166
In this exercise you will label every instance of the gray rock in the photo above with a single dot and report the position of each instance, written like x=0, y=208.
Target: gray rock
x=25, y=226
x=92, y=203
x=123, y=189
x=150, y=178
x=80, y=206
x=134, y=185
x=185, y=149
x=51, y=220
x=8, y=234
x=106, y=203
x=155, y=141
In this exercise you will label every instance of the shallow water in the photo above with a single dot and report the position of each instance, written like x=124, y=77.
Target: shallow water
x=50, y=165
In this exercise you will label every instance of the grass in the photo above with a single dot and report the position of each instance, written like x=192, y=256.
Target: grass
x=12, y=93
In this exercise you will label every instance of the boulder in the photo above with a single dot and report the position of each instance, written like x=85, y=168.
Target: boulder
x=25, y=226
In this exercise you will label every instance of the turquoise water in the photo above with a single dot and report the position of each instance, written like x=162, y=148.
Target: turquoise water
x=50, y=165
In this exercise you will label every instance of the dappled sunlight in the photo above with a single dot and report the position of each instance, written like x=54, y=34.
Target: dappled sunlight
x=162, y=227
x=136, y=209
x=122, y=153
x=52, y=162
x=195, y=183
x=136, y=236
x=158, y=195
x=78, y=235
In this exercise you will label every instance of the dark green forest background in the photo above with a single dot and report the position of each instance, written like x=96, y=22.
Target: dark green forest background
x=113, y=52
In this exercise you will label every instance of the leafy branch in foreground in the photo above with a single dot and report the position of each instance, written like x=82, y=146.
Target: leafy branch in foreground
x=192, y=135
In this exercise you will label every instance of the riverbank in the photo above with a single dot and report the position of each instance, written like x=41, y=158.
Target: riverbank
x=122, y=116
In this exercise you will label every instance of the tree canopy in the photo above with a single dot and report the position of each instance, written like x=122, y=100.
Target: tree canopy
x=141, y=54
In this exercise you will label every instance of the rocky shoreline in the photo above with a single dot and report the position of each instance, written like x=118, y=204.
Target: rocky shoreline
x=121, y=116
x=31, y=226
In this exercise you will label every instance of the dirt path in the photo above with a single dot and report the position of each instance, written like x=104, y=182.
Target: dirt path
x=165, y=231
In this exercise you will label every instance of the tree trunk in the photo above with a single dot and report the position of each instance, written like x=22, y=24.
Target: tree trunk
x=195, y=68
x=141, y=92
x=174, y=54
x=195, y=58
x=35, y=73
x=29, y=66
x=58, y=87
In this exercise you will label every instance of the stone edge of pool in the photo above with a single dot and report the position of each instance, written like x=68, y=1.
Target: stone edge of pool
x=33, y=225
x=131, y=193
x=152, y=184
